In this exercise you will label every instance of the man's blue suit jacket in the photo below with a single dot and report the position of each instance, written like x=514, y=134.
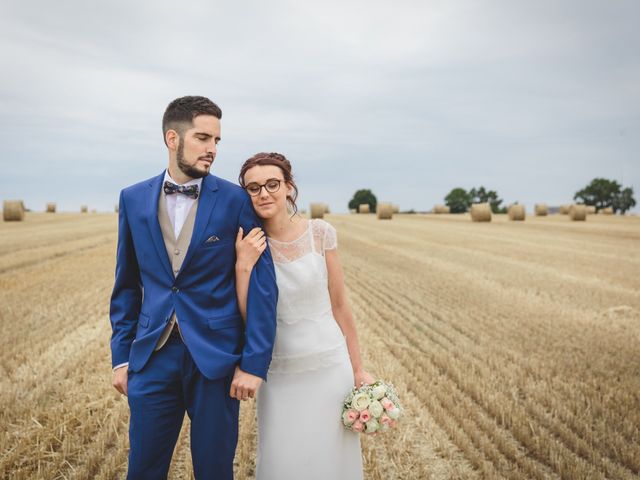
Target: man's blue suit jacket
x=203, y=293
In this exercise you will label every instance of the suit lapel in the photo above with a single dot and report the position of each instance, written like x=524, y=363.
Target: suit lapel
x=151, y=216
x=206, y=203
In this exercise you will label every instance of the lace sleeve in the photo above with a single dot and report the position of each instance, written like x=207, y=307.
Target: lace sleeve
x=330, y=241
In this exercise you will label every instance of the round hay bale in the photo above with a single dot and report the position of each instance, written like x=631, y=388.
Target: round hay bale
x=13, y=210
x=564, y=209
x=591, y=209
x=326, y=208
x=384, y=211
x=116, y=208
x=516, y=212
x=84, y=209
x=396, y=208
x=578, y=213
x=606, y=211
x=51, y=207
x=441, y=209
x=541, y=209
x=317, y=210
x=364, y=208
x=481, y=212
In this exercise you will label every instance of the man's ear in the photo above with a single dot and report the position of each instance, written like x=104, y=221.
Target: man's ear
x=172, y=139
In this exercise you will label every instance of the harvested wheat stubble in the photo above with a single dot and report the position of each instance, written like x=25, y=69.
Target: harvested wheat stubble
x=481, y=212
x=578, y=213
x=516, y=212
x=606, y=211
x=441, y=209
x=13, y=211
x=384, y=211
x=84, y=209
x=363, y=208
x=317, y=210
x=541, y=209
x=591, y=209
x=51, y=207
x=564, y=209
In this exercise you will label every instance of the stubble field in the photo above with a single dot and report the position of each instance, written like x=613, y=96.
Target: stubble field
x=515, y=347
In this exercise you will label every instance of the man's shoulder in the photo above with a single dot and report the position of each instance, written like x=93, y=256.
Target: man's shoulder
x=227, y=187
x=140, y=186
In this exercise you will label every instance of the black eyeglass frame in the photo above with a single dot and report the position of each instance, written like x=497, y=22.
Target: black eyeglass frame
x=264, y=185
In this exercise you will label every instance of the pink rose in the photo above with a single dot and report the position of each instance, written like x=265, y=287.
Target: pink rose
x=385, y=420
x=357, y=426
x=393, y=423
x=387, y=404
x=365, y=416
x=353, y=415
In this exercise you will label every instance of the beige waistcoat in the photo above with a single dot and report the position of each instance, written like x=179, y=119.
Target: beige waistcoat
x=176, y=249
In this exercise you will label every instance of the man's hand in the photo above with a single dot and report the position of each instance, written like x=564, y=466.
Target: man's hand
x=244, y=385
x=120, y=380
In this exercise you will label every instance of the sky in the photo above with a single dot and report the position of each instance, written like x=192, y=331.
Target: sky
x=410, y=99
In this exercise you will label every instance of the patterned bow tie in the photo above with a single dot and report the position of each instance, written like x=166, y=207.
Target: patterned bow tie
x=189, y=191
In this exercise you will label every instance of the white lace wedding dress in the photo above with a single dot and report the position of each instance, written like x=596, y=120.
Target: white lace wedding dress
x=300, y=433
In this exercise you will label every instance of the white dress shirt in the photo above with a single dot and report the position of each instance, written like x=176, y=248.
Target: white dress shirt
x=178, y=207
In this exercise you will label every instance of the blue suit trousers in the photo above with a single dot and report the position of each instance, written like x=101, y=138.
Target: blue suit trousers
x=159, y=394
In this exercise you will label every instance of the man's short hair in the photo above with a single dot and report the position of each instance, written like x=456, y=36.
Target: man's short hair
x=180, y=113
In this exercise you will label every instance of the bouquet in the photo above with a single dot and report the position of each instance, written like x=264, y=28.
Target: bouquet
x=371, y=408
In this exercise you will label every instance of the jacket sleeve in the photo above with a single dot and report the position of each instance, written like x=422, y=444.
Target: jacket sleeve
x=126, y=297
x=262, y=299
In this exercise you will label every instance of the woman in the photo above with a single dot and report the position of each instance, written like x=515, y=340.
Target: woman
x=316, y=357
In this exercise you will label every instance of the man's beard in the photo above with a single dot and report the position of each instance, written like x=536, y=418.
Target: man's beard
x=188, y=170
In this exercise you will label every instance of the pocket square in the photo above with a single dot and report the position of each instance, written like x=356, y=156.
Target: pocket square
x=212, y=239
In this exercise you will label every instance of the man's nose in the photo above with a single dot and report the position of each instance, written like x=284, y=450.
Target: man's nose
x=212, y=148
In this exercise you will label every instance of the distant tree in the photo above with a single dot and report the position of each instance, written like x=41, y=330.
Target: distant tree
x=482, y=195
x=363, y=196
x=458, y=200
x=624, y=201
x=603, y=193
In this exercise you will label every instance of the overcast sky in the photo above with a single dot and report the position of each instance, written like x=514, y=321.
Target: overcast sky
x=409, y=98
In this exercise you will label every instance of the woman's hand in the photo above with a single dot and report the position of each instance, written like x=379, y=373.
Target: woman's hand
x=361, y=376
x=249, y=248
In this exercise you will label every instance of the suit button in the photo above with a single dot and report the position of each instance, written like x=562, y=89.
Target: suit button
x=175, y=289
x=176, y=252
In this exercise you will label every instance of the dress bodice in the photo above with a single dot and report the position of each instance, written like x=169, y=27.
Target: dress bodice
x=306, y=329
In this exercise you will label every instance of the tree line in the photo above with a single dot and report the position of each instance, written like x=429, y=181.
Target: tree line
x=600, y=193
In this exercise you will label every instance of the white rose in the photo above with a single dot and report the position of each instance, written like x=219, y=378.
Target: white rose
x=376, y=409
x=372, y=426
x=379, y=391
x=360, y=401
x=394, y=414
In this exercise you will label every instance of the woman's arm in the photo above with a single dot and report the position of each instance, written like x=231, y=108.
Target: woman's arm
x=248, y=250
x=344, y=317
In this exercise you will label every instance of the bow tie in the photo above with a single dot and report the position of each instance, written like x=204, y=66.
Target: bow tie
x=189, y=191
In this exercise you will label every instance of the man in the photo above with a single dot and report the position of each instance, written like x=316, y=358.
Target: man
x=178, y=341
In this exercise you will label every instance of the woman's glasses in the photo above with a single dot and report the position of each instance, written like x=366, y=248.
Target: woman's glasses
x=272, y=186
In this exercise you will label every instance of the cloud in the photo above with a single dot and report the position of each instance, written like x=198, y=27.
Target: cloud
x=410, y=98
